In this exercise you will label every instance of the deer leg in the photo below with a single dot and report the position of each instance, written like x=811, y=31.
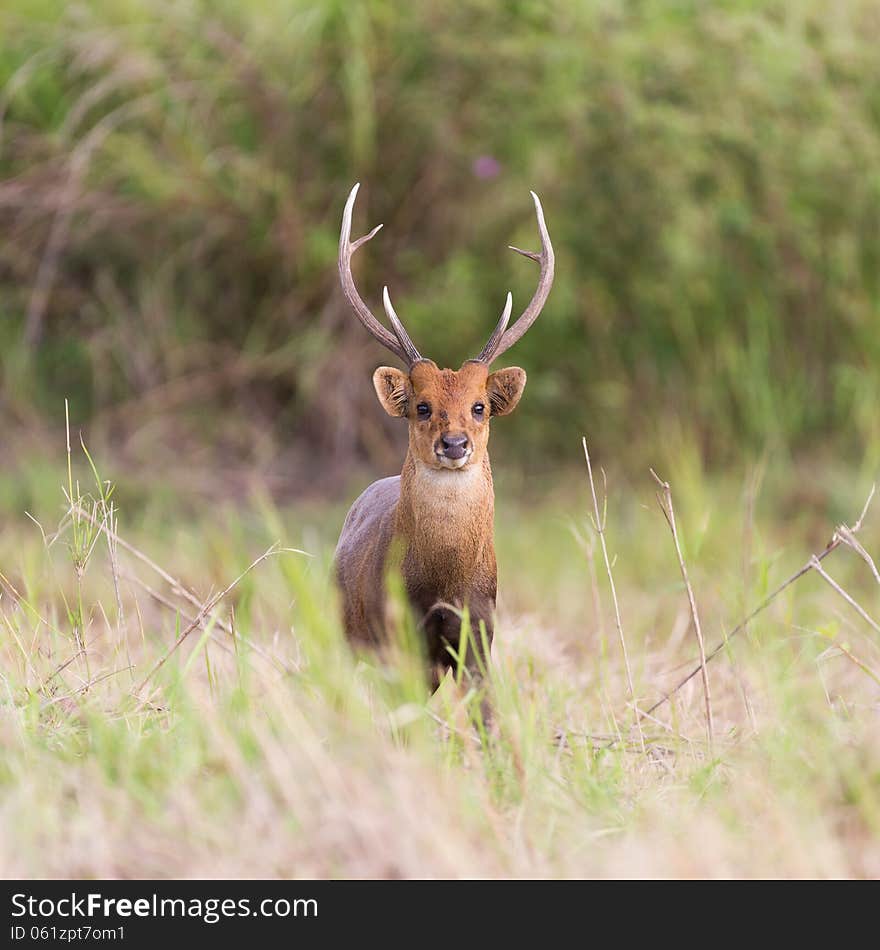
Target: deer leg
x=442, y=627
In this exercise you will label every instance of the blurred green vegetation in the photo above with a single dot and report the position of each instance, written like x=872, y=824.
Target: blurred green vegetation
x=172, y=176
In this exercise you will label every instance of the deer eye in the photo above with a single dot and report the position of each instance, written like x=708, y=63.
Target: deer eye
x=478, y=410
x=423, y=410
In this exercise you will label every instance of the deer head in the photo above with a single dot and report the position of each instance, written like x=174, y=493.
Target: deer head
x=448, y=410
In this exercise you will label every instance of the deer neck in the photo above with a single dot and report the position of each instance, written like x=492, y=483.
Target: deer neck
x=446, y=519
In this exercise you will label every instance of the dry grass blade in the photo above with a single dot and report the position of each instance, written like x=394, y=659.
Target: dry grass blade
x=178, y=587
x=665, y=502
x=599, y=525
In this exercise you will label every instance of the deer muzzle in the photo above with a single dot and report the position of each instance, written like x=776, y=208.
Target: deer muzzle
x=453, y=446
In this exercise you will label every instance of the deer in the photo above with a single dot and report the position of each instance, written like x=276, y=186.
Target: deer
x=435, y=520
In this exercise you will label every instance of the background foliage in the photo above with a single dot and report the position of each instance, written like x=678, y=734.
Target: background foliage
x=173, y=176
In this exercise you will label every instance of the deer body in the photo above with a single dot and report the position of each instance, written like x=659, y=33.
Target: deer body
x=442, y=568
x=435, y=521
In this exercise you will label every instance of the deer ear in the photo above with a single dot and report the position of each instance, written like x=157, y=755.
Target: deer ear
x=392, y=387
x=505, y=387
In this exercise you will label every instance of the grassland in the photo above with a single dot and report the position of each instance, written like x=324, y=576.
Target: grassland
x=171, y=182
x=262, y=747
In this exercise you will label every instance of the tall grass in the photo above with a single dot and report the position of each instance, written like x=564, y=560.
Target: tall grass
x=262, y=746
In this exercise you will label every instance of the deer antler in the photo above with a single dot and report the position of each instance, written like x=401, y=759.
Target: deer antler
x=503, y=339
x=400, y=344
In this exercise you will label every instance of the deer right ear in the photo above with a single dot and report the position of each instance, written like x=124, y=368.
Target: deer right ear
x=391, y=387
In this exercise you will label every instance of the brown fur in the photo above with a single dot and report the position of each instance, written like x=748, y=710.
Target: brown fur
x=440, y=510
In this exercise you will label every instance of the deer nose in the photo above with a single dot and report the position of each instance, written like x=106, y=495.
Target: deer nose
x=455, y=445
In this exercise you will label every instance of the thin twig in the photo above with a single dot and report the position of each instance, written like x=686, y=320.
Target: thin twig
x=599, y=525
x=817, y=567
x=665, y=502
x=666, y=727
x=205, y=611
x=166, y=602
x=217, y=621
x=834, y=543
x=849, y=540
x=62, y=667
x=82, y=689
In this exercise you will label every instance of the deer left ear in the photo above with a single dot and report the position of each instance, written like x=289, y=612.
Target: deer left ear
x=505, y=387
x=391, y=387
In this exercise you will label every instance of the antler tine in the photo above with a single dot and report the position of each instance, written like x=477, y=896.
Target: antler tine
x=412, y=354
x=488, y=350
x=545, y=281
x=346, y=249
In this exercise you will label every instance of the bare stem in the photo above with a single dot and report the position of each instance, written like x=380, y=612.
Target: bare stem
x=204, y=611
x=78, y=558
x=665, y=502
x=849, y=539
x=599, y=525
x=835, y=542
x=817, y=567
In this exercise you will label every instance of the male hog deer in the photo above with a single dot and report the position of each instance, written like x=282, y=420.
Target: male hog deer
x=439, y=512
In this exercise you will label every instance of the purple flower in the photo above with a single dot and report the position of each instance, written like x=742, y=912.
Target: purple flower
x=486, y=166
